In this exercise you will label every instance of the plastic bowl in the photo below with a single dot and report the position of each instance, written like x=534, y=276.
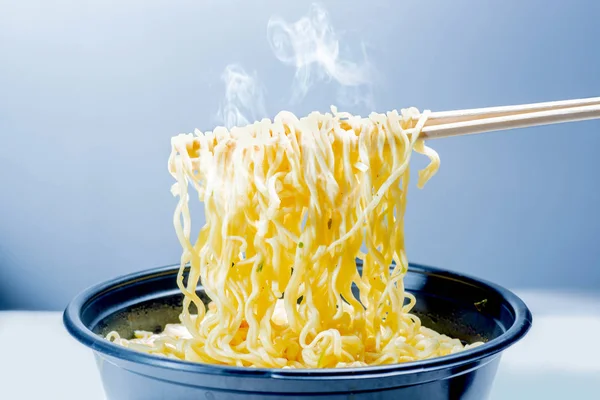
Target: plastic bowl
x=460, y=306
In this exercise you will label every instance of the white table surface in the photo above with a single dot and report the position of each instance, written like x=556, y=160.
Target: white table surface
x=559, y=358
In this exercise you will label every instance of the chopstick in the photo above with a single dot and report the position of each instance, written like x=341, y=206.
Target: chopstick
x=445, y=117
x=478, y=120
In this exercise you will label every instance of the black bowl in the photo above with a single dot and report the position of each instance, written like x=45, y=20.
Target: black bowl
x=459, y=306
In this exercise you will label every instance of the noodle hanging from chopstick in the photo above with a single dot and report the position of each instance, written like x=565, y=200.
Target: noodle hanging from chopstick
x=288, y=204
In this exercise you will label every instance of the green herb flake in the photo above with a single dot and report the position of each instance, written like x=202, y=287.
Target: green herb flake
x=232, y=265
x=329, y=223
x=321, y=357
x=300, y=244
x=260, y=267
x=480, y=304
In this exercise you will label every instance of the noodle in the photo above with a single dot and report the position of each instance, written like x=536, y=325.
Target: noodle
x=288, y=205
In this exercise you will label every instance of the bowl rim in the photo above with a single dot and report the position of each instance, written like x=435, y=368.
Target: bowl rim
x=75, y=326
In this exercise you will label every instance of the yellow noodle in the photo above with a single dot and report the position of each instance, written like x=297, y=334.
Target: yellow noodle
x=288, y=205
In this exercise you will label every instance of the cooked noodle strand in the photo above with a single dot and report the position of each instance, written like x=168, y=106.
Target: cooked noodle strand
x=288, y=205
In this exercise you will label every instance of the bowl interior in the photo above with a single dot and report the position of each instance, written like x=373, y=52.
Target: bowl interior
x=458, y=306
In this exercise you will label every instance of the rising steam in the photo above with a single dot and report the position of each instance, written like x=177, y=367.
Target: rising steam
x=312, y=47
x=244, y=97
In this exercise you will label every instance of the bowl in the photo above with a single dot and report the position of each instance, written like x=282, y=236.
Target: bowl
x=460, y=306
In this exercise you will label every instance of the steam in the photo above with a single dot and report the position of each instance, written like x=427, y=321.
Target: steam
x=244, y=97
x=312, y=47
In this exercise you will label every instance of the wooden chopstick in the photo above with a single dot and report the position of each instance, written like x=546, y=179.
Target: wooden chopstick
x=446, y=117
x=464, y=122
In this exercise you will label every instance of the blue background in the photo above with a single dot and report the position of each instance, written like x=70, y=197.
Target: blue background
x=92, y=91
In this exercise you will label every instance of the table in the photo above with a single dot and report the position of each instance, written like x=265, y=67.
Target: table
x=40, y=360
